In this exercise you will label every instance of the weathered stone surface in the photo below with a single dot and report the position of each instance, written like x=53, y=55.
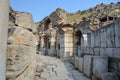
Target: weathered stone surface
x=58, y=17
x=103, y=37
x=92, y=51
x=103, y=52
x=55, y=69
x=92, y=39
x=100, y=66
x=77, y=62
x=109, y=52
x=81, y=64
x=21, y=36
x=20, y=59
x=86, y=51
x=110, y=76
x=97, y=39
x=111, y=36
x=24, y=20
x=117, y=33
x=116, y=52
x=87, y=67
x=97, y=51
x=21, y=50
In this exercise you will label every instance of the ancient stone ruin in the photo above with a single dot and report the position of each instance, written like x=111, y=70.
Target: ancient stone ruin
x=60, y=47
x=92, y=48
x=21, y=46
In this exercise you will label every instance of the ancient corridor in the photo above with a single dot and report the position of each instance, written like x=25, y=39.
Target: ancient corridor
x=51, y=68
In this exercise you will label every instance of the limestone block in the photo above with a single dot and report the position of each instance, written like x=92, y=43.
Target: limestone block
x=92, y=39
x=103, y=37
x=92, y=51
x=22, y=36
x=62, y=49
x=75, y=51
x=69, y=39
x=81, y=64
x=97, y=38
x=97, y=51
x=62, y=45
x=110, y=36
x=117, y=33
x=68, y=44
x=116, y=52
x=67, y=54
x=62, y=40
x=82, y=50
x=86, y=51
x=77, y=62
x=103, y=52
x=87, y=66
x=24, y=20
x=100, y=66
x=109, y=52
x=79, y=51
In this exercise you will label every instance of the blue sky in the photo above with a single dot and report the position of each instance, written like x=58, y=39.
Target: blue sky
x=41, y=8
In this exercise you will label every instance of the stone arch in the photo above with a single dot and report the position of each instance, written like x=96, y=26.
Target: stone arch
x=77, y=41
x=78, y=35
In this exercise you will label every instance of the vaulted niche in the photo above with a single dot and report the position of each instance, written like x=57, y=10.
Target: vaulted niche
x=77, y=42
x=78, y=35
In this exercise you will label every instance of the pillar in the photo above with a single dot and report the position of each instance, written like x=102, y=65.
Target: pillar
x=4, y=16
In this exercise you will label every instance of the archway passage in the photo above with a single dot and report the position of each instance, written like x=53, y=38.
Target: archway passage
x=78, y=35
x=77, y=41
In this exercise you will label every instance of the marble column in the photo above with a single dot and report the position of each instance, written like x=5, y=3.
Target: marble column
x=4, y=16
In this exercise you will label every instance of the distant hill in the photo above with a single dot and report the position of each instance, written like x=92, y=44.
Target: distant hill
x=96, y=12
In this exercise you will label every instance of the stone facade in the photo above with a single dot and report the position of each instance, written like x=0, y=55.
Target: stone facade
x=93, y=51
x=56, y=36
x=100, y=47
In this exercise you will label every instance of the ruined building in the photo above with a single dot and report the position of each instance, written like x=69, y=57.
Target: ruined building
x=92, y=45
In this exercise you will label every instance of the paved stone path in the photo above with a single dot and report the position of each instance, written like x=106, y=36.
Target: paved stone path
x=51, y=68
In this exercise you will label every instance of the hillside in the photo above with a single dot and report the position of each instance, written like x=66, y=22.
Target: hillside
x=96, y=12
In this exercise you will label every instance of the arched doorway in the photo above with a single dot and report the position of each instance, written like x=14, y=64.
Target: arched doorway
x=77, y=41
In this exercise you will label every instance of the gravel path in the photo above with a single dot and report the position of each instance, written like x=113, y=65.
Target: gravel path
x=51, y=68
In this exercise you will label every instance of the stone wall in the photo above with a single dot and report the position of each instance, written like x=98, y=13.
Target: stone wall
x=101, y=50
x=48, y=30
x=21, y=48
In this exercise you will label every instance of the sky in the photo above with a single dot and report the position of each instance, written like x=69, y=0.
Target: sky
x=42, y=8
